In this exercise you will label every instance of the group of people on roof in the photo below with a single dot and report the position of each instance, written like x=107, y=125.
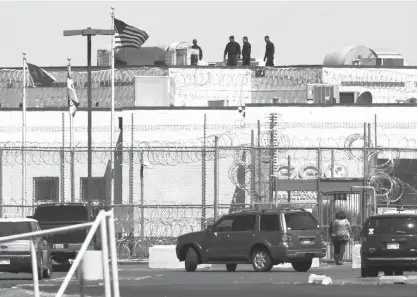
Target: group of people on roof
x=233, y=52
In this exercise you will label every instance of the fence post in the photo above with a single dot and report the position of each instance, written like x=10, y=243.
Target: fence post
x=72, y=184
x=259, y=156
x=131, y=175
x=318, y=190
x=375, y=130
x=203, y=219
x=252, y=170
x=215, y=196
x=142, y=197
x=1, y=183
x=62, y=156
x=364, y=193
x=289, y=193
x=271, y=170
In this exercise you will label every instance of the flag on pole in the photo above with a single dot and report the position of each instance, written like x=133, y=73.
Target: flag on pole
x=73, y=102
x=40, y=77
x=128, y=36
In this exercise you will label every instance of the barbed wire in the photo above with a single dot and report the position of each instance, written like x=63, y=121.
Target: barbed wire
x=388, y=187
x=209, y=84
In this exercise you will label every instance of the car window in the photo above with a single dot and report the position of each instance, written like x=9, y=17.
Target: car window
x=243, y=223
x=225, y=225
x=61, y=213
x=392, y=225
x=302, y=220
x=269, y=222
x=14, y=228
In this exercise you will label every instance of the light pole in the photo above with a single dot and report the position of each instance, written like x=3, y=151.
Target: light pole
x=89, y=32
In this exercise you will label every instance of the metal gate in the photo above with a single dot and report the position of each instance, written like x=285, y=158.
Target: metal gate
x=350, y=203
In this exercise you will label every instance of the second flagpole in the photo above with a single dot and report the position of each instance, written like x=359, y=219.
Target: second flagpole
x=112, y=111
x=24, y=137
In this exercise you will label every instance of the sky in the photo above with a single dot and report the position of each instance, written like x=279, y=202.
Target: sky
x=303, y=32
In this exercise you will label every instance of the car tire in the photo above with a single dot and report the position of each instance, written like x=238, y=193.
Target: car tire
x=261, y=260
x=369, y=272
x=388, y=272
x=191, y=260
x=231, y=267
x=48, y=271
x=398, y=272
x=302, y=265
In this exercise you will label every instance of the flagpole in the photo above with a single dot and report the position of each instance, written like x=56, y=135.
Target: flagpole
x=112, y=112
x=71, y=145
x=24, y=137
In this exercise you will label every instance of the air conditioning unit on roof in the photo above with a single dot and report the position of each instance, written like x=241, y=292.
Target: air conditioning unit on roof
x=322, y=94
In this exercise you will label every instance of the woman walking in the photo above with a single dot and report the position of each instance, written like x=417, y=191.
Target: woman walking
x=340, y=231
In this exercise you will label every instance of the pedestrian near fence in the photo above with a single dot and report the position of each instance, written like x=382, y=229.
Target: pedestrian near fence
x=233, y=50
x=340, y=232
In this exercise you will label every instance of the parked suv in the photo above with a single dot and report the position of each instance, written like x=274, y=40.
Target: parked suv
x=389, y=244
x=64, y=246
x=261, y=237
x=15, y=256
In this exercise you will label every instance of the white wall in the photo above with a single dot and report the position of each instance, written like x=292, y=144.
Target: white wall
x=194, y=87
x=176, y=178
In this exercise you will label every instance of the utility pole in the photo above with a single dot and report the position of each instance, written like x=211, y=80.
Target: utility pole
x=89, y=32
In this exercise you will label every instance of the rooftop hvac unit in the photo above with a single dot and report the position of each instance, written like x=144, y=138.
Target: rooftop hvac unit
x=322, y=94
x=154, y=91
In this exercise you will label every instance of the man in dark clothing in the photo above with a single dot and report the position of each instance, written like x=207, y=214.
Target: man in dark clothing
x=195, y=46
x=269, y=55
x=246, y=52
x=194, y=58
x=234, y=52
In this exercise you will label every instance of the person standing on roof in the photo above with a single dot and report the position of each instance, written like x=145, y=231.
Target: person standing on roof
x=195, y=46
x=269, y=55
x=246, y=52
x=233, y=50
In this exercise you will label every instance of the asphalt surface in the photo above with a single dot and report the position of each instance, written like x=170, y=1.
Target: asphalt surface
x=138, y=280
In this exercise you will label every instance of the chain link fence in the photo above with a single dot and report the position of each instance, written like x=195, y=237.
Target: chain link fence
x=163, y=192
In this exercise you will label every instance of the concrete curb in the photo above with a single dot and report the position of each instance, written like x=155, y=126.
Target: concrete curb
x=132, y=262
x=390, y=280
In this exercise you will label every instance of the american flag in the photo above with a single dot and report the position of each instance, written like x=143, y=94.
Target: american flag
x=128, y=36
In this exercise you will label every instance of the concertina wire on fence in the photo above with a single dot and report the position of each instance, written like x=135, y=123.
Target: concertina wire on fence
x=286, y=79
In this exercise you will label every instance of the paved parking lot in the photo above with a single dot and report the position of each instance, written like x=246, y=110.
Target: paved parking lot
x=138, y=280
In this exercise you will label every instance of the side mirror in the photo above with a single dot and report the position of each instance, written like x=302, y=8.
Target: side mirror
x=210, y=229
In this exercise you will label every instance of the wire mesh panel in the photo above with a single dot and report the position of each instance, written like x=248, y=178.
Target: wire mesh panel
x=166, y=191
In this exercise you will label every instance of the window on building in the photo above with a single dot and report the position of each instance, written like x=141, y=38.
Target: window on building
x=46, y=188
x=98, y=188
